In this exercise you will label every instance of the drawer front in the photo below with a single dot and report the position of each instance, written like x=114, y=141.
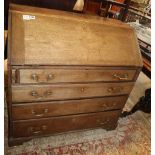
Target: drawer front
x=57, y=108
x=68, y=91
x=63, y=124
x=73, y=75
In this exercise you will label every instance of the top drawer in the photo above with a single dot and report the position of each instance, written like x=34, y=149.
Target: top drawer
x=55, y=75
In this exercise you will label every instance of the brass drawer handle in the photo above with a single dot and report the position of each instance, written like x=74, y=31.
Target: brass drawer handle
x=50, y=77
x=115, y=103
x=105, y=105
x=103, y=122
x=48, y=93
x=33, y=131
x=37, y=132
x=41, y=114
x=114, y=89
x=121, y=77
x=36, y=95
x=83, y=89
x=34, y=77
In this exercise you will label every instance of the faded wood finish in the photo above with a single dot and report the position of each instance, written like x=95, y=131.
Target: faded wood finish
x=65, y=123
x=68, y=91
x=67, y=71
x=58, y=108
x=73, y=75
x=78, y=40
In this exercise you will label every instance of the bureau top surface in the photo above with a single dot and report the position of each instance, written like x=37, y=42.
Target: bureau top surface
x=50, y=37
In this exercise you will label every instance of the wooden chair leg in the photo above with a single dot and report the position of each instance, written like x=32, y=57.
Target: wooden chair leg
x=107, y=9
x=144, y=104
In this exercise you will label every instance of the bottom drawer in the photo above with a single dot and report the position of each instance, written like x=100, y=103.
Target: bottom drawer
x=51, y=125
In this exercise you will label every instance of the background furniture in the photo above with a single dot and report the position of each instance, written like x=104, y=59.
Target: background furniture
x=66, y=5
x=144, y=104
x=117, y=9
x=139, y=17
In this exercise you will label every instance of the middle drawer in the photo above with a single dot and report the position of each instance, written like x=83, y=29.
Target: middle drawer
x=59, y=108
x=30, y=93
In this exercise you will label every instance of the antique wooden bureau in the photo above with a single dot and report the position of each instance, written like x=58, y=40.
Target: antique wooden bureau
x=67, y=71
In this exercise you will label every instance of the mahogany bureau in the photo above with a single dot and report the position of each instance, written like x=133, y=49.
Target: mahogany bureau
x=67, y=71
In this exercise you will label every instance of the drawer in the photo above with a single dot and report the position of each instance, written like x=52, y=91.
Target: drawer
x=27, y=93
x=51, y=125
x=55, y=75
x=57, y=108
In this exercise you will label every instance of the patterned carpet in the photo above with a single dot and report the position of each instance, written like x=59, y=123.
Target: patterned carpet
x=131, y=137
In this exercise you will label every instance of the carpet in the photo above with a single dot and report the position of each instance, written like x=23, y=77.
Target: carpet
x=131, y=137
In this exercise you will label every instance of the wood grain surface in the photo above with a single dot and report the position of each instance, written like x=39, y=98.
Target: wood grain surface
x=59, y=108
x=56, y=75
x=70, y=39
x=67, y=71
x=29, y=93
x=65, y=123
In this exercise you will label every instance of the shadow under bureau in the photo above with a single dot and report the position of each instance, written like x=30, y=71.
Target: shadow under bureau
x=67, y=71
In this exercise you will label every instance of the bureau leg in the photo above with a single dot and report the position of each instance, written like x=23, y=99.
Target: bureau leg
x=15, y=142
x=110, y=127
x=144, y=104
